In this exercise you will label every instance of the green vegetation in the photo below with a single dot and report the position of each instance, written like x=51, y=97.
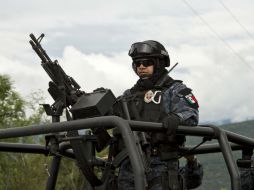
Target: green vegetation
x=28, y=171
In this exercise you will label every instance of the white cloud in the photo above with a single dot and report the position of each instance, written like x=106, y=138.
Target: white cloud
x=98, y=70
x=26, y=78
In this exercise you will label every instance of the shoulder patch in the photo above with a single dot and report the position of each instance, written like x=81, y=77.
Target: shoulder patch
x=189, y=97
x=185, y=91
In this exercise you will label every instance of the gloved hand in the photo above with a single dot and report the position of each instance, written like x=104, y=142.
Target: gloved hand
x=171, y=122
x=191, y=160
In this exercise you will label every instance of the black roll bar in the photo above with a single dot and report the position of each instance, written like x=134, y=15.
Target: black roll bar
x=106, y=122
x=23, y=148
x=123, y=126
x=212, y=132
x=208, y=148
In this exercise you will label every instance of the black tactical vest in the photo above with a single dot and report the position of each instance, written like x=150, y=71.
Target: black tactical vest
x=147, y=105
x=143, y=107
x=150, y=110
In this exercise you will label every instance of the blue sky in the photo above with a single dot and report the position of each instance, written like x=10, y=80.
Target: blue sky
x=91, y=40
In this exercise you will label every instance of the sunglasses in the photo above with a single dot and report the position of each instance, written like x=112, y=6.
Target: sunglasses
x=144, y=62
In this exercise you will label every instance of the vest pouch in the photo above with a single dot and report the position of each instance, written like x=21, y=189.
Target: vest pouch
x=158, y=138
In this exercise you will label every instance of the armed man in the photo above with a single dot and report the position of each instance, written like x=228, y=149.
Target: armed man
x=156, y=97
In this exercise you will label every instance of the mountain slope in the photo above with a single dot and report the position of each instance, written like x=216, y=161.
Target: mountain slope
x=216, y=176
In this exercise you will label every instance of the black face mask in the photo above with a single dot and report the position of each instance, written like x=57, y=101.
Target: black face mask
x=143, y=84
x=147, y=84
x=159, y=70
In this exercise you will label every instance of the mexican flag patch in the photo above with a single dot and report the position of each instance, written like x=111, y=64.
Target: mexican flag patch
x=192, y=100
x=189, y=97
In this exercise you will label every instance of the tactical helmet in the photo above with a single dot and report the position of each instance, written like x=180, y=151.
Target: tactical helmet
x=149, y=48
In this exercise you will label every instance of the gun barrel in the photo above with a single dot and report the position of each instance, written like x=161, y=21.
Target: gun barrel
x=37, y=47
x=33, y=37
x=68, y=88
x=37, y=50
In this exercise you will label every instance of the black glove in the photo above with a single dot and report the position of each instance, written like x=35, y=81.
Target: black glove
x=171, y=122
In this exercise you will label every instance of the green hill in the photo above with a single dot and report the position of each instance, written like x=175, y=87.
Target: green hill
x=216, y=176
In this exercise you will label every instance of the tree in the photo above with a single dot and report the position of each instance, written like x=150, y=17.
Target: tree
x=12, y=106
x=14, y=167
x=25, y=171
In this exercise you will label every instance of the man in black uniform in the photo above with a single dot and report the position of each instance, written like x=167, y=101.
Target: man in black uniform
x=156, y=97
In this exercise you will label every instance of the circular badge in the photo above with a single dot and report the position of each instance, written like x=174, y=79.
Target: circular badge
x=148, y=96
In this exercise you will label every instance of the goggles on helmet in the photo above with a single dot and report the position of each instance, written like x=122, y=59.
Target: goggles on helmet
x=144, y=49
x=140, y=48
x=144, y=62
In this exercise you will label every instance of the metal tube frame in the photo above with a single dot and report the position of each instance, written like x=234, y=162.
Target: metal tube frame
x=222, y=136
x=106, y=121
x=53, y=173
x=55, y=163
